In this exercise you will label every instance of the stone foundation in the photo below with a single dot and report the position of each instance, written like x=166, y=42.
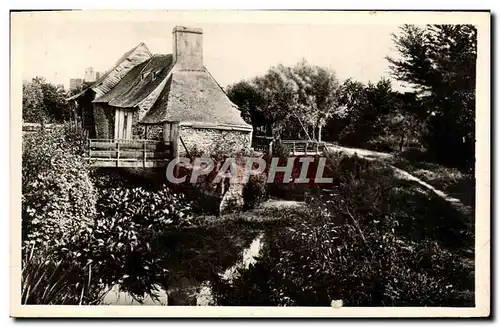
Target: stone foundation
x=209, y=141
x=138, y=130
x=155, y=132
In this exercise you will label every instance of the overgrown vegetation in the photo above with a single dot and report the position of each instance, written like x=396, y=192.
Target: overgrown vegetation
x=79, y=240
x=58, y=195
x=44, y=102
x=371, y=242
x=367, y=239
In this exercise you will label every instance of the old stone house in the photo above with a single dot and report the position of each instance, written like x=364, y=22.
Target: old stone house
x=156, y=96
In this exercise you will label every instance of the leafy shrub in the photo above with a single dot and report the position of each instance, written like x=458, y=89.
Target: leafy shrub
x=160, y=208
x=279, y=150
x=58, y=195
x=76, y=138
x=58, y=200
x=123, y=241
x=40, y=147
x=255, y=191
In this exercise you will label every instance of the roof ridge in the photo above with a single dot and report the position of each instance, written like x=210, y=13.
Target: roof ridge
x=101, y=79
x=122, y=58
x=222, y=89
x=145, y=66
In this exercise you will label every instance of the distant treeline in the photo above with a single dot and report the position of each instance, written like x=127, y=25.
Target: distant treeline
x=436, y=118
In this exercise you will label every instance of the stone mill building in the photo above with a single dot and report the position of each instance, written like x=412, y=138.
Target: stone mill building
x=164, y=96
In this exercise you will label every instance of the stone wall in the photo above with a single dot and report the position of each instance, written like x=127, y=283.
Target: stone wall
x=155, y=132
x=138, y=130
x=104, y=118
x=209, y=140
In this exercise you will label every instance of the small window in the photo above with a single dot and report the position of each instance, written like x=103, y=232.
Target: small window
x=154, y=75
x=144, y=75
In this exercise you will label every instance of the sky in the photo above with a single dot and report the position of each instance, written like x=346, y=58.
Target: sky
x=62, y=48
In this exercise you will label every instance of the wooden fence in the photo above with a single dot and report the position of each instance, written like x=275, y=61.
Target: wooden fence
x=261, y=143
x=304, y=147
x=36, y=127
x=129, y=153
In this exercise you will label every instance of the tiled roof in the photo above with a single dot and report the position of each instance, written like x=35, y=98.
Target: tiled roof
x=111, y=78
x=194, y=97
x=138, y=83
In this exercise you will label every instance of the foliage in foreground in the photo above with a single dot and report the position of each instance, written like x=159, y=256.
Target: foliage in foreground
x=58, y=199
x=119, y=248
x=58, y=195
x=44, y=102
x=48, y=279
x=368, y=244
x=78, y=240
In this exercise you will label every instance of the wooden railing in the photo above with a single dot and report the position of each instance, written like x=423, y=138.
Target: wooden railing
x=37, y=127
x=129, y=153
x=261, y=143
x=304, y=147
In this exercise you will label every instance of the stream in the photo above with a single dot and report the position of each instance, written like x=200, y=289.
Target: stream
x=186, y=290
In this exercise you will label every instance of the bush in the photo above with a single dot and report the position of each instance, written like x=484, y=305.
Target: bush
x=255, y=191
x=123, y=243
x=160, y=208
x=58, y=195
x=58, y=200
x=40, y=147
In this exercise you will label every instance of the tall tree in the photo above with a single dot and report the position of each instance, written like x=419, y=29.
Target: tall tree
x=439, y=61
x=364, y=108
x=33, y=108
x=250, y=102
x=294, y=99
x=318, y=94
x=44, y=102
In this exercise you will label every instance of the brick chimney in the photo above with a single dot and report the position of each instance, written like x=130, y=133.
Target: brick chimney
x=188, y=47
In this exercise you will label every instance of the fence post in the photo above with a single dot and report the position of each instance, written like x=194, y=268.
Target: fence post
x=305, y=148
x=293, y=151
x=174, y=139
x=144, y=154
x=317, y=147
x=117, y=153
x=271, y=148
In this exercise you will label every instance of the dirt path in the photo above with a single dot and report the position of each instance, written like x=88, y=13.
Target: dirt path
x=403, y=175
x=367, y=154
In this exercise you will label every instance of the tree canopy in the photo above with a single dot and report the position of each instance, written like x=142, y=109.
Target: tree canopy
x=439, y=61
x=43, y=101
x=291, y=101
